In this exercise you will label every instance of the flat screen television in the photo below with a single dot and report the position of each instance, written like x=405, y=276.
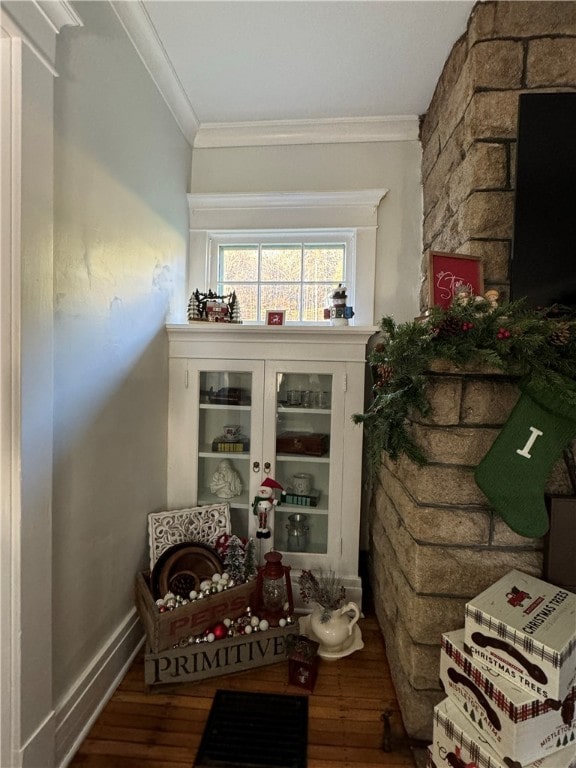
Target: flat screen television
x=543, y=264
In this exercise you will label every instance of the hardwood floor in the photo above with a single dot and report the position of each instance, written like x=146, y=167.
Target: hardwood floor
x=353, y=715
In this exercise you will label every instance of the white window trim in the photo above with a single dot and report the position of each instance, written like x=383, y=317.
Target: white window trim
x=284, y=237
x=355, y=211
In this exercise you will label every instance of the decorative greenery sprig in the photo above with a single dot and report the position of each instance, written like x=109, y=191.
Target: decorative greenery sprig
x=324, y=588
x=517, y=340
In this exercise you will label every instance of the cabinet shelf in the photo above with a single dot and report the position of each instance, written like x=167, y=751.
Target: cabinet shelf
x=283, y=408
x=207, y=453
x=286, y=457
x=293, y=508
x=205, y=496
x=226, y=407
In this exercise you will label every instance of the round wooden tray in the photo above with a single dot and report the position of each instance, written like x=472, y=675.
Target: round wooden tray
x=182, y=567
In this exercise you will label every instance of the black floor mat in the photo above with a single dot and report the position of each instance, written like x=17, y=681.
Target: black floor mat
x=254, y=730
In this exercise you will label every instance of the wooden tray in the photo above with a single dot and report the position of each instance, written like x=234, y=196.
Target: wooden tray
x=182, y=568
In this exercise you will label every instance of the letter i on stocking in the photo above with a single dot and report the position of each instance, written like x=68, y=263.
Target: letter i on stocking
x=536, y=433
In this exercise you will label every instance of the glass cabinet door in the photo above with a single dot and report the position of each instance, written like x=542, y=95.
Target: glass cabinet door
x=229, y=406
x=306, y=400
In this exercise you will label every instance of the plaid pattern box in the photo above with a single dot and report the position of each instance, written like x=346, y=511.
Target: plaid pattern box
x=525, y=629
x=519, y=726
x=456, y=743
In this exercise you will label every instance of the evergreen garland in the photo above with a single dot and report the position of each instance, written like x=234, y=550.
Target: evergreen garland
x=540, y=344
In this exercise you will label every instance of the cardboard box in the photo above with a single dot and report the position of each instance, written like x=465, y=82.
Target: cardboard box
x=525, y=629
x=222, y=657
x=518, y=725
x=165, y=630
x=456, y=743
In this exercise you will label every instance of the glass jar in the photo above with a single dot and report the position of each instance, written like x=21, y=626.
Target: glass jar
x=297, y=532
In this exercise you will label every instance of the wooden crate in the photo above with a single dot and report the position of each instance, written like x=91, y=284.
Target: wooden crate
x=165, y=630
x=222, y=657
x=303, y=443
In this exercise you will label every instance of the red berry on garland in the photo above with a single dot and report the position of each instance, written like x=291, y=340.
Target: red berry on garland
x=503, y=333
x=467, y=326
x=220, y=630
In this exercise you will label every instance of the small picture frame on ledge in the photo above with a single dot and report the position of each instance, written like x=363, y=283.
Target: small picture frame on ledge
x=275, y=317
x=451, y=274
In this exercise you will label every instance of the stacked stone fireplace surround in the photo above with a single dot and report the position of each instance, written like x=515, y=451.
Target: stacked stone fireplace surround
x=435, y=541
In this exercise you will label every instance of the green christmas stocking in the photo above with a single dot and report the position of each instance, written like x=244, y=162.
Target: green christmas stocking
x=513, y=473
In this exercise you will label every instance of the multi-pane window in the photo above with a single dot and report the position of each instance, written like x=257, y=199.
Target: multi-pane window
x=297, y=275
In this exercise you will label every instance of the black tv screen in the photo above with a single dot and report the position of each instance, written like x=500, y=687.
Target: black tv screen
x=543, y=265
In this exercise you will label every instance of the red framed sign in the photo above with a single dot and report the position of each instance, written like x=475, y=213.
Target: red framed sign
x=450, y=274
x=275, y=317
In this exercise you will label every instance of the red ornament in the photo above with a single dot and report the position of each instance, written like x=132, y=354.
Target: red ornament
x=220, y=630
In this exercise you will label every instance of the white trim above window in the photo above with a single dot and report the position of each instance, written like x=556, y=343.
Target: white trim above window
x=282, y=212
x=267, y=133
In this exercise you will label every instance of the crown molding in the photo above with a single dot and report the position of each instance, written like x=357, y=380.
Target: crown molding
x=59, y=14
x=37, y=24
x=142, y=35
x=324, y=131
x=266, y=200
x=285, y=210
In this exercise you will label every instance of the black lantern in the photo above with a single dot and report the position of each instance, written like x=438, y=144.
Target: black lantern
x=274, y=589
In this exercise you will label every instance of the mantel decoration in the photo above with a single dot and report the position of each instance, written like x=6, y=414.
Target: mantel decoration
x=538, y=347
x=214, y=308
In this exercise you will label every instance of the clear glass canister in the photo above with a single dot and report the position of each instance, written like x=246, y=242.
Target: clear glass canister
x=298, y=531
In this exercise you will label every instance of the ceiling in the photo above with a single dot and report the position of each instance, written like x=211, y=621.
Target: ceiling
x=239, y=61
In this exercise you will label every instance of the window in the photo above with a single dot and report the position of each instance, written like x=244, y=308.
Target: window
x=294, y=271
x=286, y=250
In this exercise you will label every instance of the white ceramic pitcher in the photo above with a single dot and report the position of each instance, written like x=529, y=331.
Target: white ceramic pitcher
x=335, y=633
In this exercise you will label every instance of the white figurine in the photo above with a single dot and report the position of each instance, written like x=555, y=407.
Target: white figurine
x=225, y=482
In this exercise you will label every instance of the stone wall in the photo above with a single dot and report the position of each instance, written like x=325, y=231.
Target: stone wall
x=469, y=132
x=435, y=542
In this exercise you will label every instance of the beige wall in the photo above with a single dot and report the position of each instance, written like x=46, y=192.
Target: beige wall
x=121, y=178
x=392, y=165
x=97, y=246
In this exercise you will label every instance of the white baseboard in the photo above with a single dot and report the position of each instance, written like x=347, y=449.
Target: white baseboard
x=41, y=743
x=78, y=709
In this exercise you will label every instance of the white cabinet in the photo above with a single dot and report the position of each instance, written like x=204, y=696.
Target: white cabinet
x=273, y=402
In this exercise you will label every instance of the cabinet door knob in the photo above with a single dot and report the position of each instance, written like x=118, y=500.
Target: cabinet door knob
x=267, y=467
x=256, y=466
